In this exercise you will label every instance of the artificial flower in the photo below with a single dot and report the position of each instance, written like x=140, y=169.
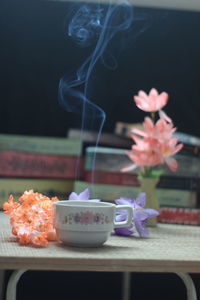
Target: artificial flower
x=140, y=216
x=83, y=196
x=164, y=116
x=159, y=130
x=151, y=102
x=155, y=145
x=32, y=218
x=154, y=102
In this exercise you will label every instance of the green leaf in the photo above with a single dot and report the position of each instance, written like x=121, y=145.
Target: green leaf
x=156, y=173
x=151, y=173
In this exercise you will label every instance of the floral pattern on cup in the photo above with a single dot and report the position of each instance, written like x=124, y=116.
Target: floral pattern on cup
x=86, y=218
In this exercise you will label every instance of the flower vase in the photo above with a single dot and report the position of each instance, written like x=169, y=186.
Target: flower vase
x=148, y=186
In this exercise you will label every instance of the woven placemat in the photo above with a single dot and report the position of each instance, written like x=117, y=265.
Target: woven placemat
x=170, y=248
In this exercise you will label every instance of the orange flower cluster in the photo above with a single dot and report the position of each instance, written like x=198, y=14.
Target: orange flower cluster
x=32, y=218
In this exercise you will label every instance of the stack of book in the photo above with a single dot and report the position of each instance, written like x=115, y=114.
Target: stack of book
x=58, y=166
x=187, y=216
x=48, y=165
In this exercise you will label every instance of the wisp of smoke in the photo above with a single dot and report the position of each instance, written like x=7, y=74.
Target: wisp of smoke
x=92, y=23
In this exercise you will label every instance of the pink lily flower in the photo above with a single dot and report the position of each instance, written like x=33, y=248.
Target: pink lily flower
x=160, y=130
x=154, y=145
x=153, y=102
x=146, y=152
x=168, y=149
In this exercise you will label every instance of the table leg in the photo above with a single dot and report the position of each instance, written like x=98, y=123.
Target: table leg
x=186, y=278
x=189, y=284
x=11, y=290
x=2, y=277
x=126, y=282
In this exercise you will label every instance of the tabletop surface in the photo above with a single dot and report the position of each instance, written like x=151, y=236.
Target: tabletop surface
x=169, y=248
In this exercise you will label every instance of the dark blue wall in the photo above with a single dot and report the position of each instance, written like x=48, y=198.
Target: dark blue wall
x=35, y=53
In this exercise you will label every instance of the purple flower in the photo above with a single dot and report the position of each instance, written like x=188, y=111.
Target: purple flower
x=83, y=196
x=140, y=215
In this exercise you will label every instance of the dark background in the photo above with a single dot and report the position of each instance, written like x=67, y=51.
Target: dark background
x=161, y=50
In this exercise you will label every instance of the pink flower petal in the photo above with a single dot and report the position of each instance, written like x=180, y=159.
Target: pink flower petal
x=153, y=92
x=129, y=168
x=142, y=94
x=163, y=98
x=172, y=163
x=164, y=116
x=152, y=102
x=138, y=132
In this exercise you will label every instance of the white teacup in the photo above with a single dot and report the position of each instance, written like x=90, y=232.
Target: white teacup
x=87, y=223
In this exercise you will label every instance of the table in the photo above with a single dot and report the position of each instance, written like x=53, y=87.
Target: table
x=170, y=248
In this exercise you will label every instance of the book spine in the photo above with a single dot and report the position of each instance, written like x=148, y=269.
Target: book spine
x=44, y=145
x=166, y=197
x=179, y=216
x=18, y=164
x=176, y=198
x=49, y=187
x=104, y=177
x=105, y=139
x=179, y=182
x=106, y=161
x=130, y=179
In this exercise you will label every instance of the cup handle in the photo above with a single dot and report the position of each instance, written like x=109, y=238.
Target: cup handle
x=128, y=221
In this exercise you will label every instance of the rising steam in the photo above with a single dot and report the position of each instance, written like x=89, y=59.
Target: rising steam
x=91, y=24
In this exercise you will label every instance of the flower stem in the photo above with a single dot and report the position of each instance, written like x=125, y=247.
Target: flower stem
x=153, y=115
x=147, y=172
